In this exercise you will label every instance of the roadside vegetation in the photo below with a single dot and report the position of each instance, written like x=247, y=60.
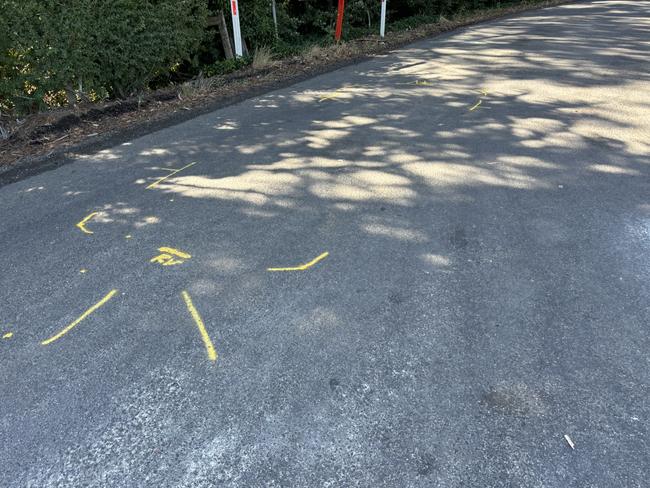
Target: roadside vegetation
x=54, y=52
x=64, y=62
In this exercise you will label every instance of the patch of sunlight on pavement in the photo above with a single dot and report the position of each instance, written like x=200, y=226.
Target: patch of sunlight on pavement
x=394, y=232
x=614, y=170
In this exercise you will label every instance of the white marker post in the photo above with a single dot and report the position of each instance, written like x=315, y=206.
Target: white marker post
x=275, y=18
x=236, y=31
x=382, y=23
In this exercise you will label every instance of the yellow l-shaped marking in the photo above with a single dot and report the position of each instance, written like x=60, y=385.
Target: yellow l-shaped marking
x=302, y=267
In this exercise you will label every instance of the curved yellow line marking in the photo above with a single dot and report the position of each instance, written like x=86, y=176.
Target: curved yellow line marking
x=209, y=347
x=478, y=104
x=76, y=322
x=302, y=267
x=157, y=182
x=82, y=224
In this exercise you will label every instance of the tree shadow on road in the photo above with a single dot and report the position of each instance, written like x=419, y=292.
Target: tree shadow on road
x=507, y=215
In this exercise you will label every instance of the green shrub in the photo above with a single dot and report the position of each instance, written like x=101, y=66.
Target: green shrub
x=143, y=38
x=413, y=22
x=227, y=66
x=56, y=49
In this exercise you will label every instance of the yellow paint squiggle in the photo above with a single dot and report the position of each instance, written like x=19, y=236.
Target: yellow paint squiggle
x=82, y=224
x=331, y=96
x=302, y=267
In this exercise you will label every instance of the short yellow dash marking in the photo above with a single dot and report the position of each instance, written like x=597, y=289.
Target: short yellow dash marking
x=82, y=271
x=423, y=83
x=477, y=105
x=209, y=347
x=302, y=267
x=157, y=182
x=67, y=329
x=8, y=335
x=175, y=252
x=82, y=224
x=128, y=236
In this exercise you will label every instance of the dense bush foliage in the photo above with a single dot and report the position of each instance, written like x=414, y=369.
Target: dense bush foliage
x=61, y=49
x=54, y=52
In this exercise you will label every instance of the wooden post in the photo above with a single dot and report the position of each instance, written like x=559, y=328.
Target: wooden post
x=225, y=37
x=275, y=18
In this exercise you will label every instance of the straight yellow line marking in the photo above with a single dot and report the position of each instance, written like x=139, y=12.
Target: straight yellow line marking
x=209, y=347
x=82, y=224
x=302, y=267
x=83, y=316
x=476, y=106
x=157, y=182
x=8, y=335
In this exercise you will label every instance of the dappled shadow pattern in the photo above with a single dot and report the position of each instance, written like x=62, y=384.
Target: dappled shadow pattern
x=488, y=262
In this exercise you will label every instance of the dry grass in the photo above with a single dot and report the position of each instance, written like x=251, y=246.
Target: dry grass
x=335, y=51
x=314, y=52
x=263, y=58
x=197, y=86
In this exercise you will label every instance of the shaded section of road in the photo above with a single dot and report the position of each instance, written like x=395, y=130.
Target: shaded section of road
x=485, y=292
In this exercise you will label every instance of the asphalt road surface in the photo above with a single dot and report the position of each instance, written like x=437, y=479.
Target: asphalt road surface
x=484, y=198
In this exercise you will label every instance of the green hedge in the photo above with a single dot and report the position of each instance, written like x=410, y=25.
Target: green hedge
x=53, y=51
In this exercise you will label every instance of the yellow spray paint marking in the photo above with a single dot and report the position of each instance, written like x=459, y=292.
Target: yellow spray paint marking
x=82, y=224
x=8, y=335
x=302, y=267
x=477, y=105
x=82, y=271
x=423, y=83
x=483, y=92
x=167, y=256
x=129, y=236
x=157, y=182
x=68, y=328
x=331, y=96
x=209, y=347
